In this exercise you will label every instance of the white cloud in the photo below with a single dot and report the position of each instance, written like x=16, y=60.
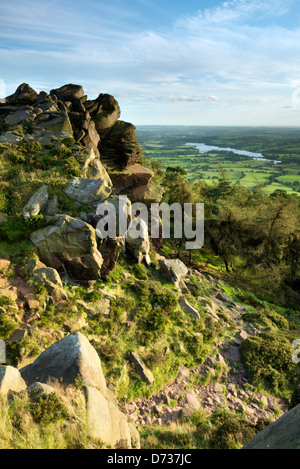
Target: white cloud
x=234, y=11
x=218, y=55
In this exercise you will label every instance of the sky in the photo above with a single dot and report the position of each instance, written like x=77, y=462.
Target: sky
x=167, y=62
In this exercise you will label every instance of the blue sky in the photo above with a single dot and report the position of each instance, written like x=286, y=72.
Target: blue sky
x=167, y=62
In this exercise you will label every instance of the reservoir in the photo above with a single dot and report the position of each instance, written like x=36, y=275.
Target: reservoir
x=203, y=148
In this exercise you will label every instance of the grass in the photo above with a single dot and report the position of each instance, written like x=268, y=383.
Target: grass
x=56, y=422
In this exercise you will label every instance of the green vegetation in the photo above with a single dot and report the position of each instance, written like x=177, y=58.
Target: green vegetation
x=167, y=145
x=220, y=430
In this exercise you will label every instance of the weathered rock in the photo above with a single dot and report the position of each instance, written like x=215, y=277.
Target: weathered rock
x=36, y=202
x=70, y=244
x=24, y=94
x=106, y=423
x=52, y=207
x=105, y=111
x=37, y=390
x=68, y=92
x=91, y=138
x=174, y=270
x=17, y=336
x=191, y=400
x=110, y=250
x=120, y=147
x=282, y=434
x=76, y=323
x=135, y=182
x=10, y=137
x=88, y=191
x=141, y=368
x=188, y=308
x=44, y=137
x=96, y=308
x=68, y=360
x=48, y=277
x=184, y=374
x=10, y=380
x=55, y=124
x=19, y=117
x=138, y=246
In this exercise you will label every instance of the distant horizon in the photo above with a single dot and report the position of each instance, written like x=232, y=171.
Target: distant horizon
x=203, y=62
x=220, y=126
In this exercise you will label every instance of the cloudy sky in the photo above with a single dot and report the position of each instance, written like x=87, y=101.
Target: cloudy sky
x=183, y=62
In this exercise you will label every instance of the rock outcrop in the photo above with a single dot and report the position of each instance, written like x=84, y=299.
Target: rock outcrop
x=93, y=123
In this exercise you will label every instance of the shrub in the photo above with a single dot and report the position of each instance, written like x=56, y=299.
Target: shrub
x=48, y=408
x=269, y=361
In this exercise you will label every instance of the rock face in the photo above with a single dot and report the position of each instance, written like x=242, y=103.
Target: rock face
x=174, y=270
x=10, y=380
x=105, y=112
x=36, y=202
x=282, y=434
x=48, y=277
x=138, y=246
x=69, y=245
x=120, y=148
x=69, y=359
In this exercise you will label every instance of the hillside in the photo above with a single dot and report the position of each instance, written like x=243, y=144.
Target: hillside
x=126, y=342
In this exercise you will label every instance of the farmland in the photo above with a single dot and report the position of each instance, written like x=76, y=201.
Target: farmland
x=168, y=145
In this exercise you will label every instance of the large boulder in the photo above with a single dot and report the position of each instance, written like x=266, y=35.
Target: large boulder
x=68, y=92
x=36, y=202
x=173, y=269
x=73, y=361
x=10, y=380
x=69, y=245
x=24, y=94
x=67, y=361
x=106, y=423
x=89, y=191
x=139, y=246
x=282, y=434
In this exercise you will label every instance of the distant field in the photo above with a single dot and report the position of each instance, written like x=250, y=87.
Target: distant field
x=167, y=144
